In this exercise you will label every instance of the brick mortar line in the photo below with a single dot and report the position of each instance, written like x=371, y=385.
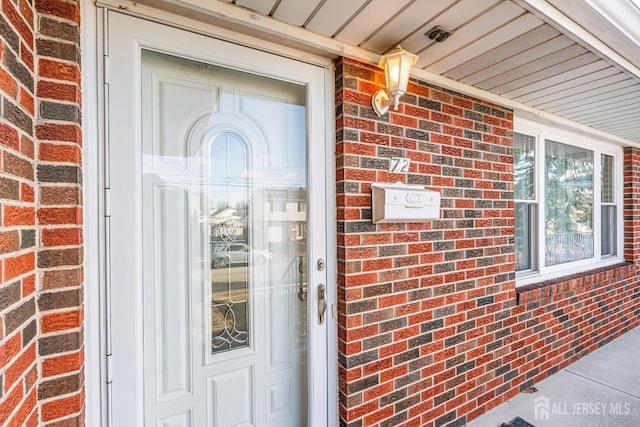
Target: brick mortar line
x=41, y=121
x=62, y=396
x=61, y=226
x=48, y=79
x=38, y=122
x=64, y=375
x=61, y=268
x=68, y=185
x=39, y=36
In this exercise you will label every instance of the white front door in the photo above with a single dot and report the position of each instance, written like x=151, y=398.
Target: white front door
x=216, y=228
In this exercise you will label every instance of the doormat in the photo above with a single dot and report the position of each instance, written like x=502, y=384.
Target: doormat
x=517, y=422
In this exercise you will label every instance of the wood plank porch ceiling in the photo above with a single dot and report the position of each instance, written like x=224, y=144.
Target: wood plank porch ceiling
x=497, y=46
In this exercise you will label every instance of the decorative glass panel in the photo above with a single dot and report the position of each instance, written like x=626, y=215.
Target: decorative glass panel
x=229, y=205
x=569, y=203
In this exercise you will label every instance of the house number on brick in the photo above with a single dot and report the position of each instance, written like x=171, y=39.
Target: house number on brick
x=399, y=165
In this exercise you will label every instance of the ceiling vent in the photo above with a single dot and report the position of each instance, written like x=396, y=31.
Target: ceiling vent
x=438, y=33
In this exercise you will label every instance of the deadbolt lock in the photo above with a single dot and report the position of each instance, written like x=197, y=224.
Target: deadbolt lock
x=321, y=264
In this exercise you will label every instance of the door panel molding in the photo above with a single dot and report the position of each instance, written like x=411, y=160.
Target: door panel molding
x=127, y=37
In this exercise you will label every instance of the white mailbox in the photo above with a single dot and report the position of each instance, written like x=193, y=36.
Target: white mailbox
x=403, y=203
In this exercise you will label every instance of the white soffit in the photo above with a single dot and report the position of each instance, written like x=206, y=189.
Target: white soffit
x=532, y=52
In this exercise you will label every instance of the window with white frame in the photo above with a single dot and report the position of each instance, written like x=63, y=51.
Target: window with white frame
x=567, y=202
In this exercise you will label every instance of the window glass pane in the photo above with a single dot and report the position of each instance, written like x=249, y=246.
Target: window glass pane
x=525, y=218
x=606, y=179
x=608, y=237
x=569, y=203
x=524, y=166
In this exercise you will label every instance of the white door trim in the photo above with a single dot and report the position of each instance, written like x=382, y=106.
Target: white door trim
x=93, y=34
x=322, y=57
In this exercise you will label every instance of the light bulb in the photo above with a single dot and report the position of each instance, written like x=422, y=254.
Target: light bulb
x=394, y=74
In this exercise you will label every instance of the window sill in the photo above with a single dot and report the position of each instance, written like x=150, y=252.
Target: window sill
x=573, y=282
x=562, y=270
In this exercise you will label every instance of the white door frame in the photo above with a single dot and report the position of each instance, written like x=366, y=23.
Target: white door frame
x=96, y=337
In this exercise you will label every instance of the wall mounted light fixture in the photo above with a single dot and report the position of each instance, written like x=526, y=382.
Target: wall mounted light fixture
x=397, y=66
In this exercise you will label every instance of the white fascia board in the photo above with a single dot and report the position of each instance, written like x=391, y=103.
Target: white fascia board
x=623, y=15
x=333, y=48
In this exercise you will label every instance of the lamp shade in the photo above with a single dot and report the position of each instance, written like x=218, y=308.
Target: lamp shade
x=397, y=66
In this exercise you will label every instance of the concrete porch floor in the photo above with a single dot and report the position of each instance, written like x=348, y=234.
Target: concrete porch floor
x=600, y=390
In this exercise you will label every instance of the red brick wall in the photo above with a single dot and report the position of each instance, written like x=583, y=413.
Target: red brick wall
x=60, y=255
x=41, y=355
x=632, y=204
x=432, y=331
x=18, y=235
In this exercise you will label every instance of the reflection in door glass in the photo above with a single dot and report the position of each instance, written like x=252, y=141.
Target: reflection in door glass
x=256, y=230
x=225, y=245
x=228, y=219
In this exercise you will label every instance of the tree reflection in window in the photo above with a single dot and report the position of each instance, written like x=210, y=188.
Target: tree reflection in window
x=228, y=214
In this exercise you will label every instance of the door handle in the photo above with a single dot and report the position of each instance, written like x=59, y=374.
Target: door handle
x=322, y=303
